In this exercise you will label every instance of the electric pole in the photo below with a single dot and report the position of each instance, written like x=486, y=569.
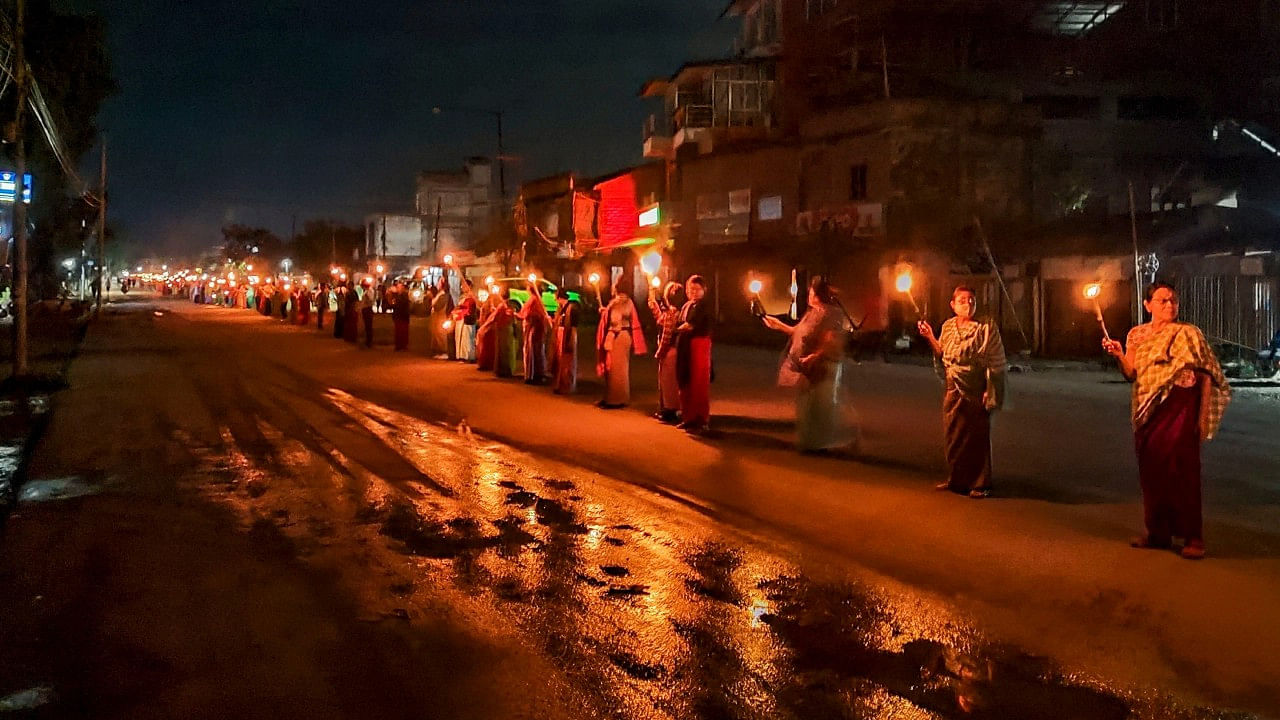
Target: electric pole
x=102, y=223
x=20, y=328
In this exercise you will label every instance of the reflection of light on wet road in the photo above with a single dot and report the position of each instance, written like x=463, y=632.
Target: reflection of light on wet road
x=56, y=489
x=648, y=608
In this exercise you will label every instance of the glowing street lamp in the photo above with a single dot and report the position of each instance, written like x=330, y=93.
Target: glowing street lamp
x=1092, y=292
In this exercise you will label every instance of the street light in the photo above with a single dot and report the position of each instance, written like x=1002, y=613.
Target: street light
x=497, y=115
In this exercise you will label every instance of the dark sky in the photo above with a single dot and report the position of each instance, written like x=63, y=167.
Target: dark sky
x=253, y=111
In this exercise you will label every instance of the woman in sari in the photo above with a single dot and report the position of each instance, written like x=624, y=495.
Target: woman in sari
x=464, y=326
x=667, y=312
x=693, y=358
x=813, y=367
x=337, y=301
x=968, y=355
x=618, y=335
x=1179, y=396
x=504, y=331
x=566, y=344
x=486, y=337
x=351, y=315
x=536, y=323
x=441, y=306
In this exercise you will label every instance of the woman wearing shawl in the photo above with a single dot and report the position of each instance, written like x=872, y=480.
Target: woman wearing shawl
x=667, y=313
x=617, y=336
x=464, y=326
x=398, y=297
x=813, y=366
x=337, y=300
x=303, y=299
x=968, y=356
x=441, y=306
x=350, y=315
x=536, y=323
x=504, y=332
x=1179, y=396
x=566, y=341
x=693, y=358
x=486, y=337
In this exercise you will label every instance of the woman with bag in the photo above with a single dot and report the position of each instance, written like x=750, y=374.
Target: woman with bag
x=812, y=365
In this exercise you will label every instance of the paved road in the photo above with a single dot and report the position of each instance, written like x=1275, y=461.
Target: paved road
x=271, y=523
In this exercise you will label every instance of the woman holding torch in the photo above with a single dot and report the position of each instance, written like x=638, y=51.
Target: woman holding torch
x=969, y=357
x=486, y=337
x=667, y=313
x=398, y=297
x=464, y=325
x=536, y=324
x=441, y=306
x=693, y=358
x=617, y=336
x=812, y=366
x=566, y=340
x=1179, y=396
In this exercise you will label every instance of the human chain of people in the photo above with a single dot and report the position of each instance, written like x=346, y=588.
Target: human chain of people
x=1179, y=391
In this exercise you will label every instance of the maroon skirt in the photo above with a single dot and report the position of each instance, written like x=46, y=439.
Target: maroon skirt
x=1168, y=446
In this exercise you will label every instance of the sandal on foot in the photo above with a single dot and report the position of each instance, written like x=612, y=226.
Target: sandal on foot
x=1193, y=550
x=1142, y=542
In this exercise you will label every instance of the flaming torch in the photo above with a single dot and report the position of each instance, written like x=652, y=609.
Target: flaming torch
x=755, y=286
x=1091, y=292
x=594, y=279
x=903, y=285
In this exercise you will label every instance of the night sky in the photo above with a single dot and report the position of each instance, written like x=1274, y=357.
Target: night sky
x=251, y=112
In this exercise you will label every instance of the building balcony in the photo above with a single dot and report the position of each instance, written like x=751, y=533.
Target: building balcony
x=658, y=146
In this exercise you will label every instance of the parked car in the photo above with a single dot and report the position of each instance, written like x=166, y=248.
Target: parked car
x=519, y=295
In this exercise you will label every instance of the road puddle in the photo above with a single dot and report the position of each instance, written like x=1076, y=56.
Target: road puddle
x=19, y=418
x=648, y=608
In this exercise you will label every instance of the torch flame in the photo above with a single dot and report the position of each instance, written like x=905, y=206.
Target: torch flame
x=904, y=281
x=533, y=277
x=656, y=282
x=651, y=262
x=447, y=325
x=448, y=259
x=1092, y=290
x=756, y=286
x=594, y=278
x=488, y=280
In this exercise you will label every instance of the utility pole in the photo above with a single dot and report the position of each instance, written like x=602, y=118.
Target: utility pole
x=102, y=224
x=20, y=328
x=502, y=162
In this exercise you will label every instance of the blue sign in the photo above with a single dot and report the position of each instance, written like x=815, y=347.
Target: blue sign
x=8, y=187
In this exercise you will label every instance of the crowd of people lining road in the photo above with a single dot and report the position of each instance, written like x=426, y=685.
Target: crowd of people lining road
x=1178, y=398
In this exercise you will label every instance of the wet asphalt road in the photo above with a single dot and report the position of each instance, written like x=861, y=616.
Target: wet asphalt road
x=631, y=603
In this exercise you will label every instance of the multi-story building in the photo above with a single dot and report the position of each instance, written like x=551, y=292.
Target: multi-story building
x=456, y=208
x=847, y=136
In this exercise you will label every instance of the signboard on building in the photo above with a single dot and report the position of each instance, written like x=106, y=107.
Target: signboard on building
x=9, y=187
x=857, y=219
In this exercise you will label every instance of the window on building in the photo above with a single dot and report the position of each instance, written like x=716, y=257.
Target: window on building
x=814, y=9
x=858, y=182
x=1074, y=18
x=1139, y=107
x=1162, y=14
x=1063, y=107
